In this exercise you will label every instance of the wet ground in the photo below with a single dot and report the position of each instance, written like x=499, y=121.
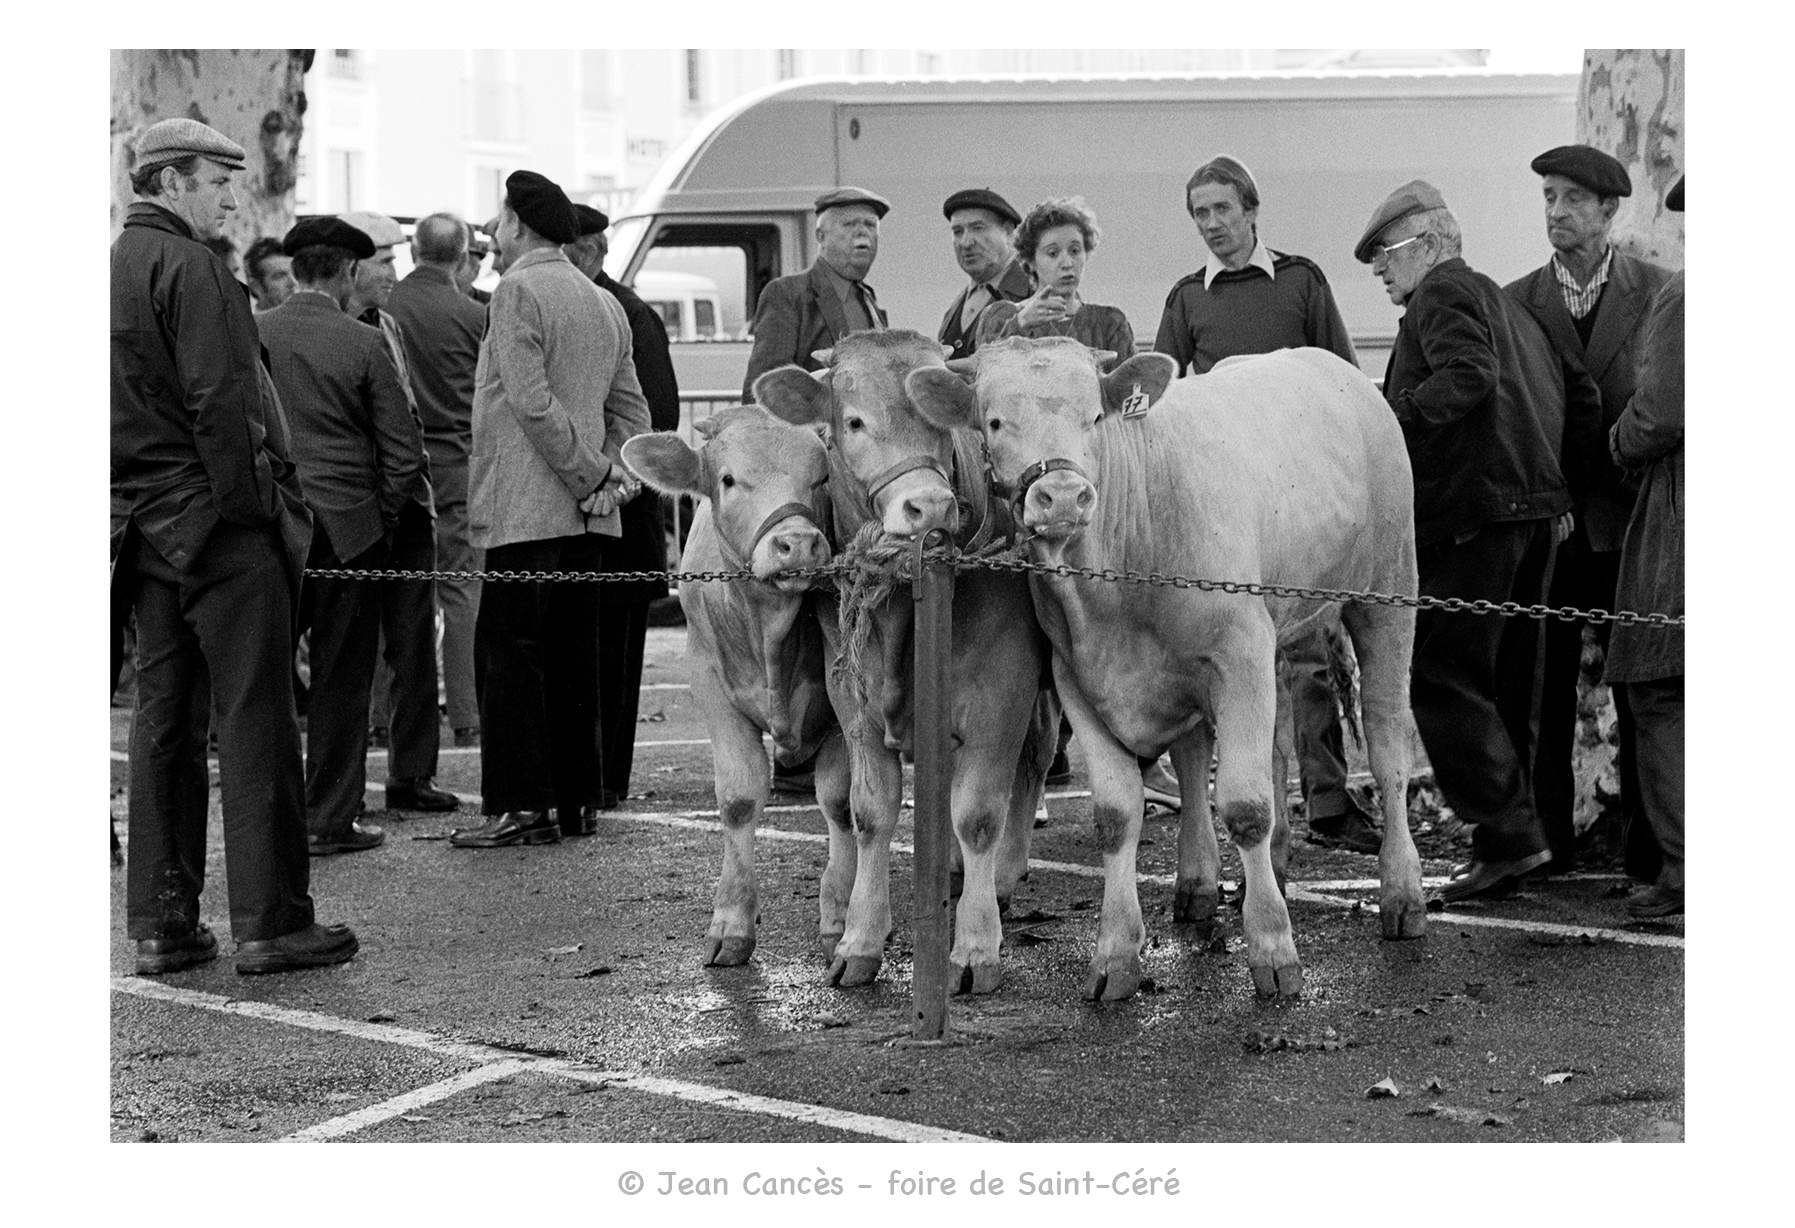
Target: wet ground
x=555, y=994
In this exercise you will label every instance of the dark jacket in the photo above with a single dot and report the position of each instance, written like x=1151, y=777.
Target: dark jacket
x=1012, y=286
x=643, y=546
x=359, y=449
x=1648, y=439
x=197, y=430
x=442, y=329
x=1468, y=377
x=797, y=315
x=1612, y=360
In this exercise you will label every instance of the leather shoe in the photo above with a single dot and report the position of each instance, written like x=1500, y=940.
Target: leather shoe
x=1656, y=900
x=582, y=821
x=504, y=830
x=315, y=946
x=1352, y=830
x=156, y=956
x=359, y=836
x=610, y=799
x=419, y=793
x=468, y=736
x=1489, y=879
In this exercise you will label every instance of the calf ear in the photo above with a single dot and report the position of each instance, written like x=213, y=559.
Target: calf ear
x=667, y=463
x=943, y=398
x=794, y=394
x=1149, y=373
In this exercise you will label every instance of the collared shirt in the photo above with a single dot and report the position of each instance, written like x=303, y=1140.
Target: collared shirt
x=982, y=295
x=1260, y=259
x=854, y=295
x=1581, y=300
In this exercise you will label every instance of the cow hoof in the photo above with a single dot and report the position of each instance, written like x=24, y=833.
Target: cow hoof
x=1195, y=903
x=847, y=971
x=1285, y=982
x=1403, y=921
x=727, y=952
x=1116, y=984
x=829, y=940
x=976, y=978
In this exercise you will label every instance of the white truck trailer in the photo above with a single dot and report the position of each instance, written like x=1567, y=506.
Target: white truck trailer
x=734, y=202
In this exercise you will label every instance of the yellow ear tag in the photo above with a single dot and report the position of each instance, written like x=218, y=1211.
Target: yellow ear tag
x=1135, y=404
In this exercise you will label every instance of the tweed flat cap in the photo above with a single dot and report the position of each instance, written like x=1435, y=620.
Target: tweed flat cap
x=1415, y=196
x=852, y=196
x=1673, y=200
x=169, y=140
x=328, y=232
x=542, y=206
x=592, y=221
x=1587, y=166
x=981, y=198
x=377, y=226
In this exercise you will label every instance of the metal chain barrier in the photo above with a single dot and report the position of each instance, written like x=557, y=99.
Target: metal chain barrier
x=1015, y=563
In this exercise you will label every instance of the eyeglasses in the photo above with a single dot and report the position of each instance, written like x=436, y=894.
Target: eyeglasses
x=1382, y=250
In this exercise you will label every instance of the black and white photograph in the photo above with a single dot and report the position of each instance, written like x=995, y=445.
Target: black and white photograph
x=1093, y=600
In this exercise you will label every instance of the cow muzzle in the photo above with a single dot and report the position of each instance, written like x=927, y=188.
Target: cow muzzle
x=924, y=507
x=1055, y=499
x=790, y=543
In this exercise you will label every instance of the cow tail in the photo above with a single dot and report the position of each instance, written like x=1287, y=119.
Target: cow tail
x=1343, y=677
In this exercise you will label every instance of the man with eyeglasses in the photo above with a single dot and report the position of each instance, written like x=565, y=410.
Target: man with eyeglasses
x=1470, y=379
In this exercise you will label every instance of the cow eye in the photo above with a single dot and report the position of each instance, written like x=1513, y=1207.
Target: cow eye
x=995, y=423
x=728, y=481
x=855, y=424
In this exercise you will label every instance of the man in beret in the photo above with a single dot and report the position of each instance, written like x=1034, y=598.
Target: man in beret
x=982, y=224
x=1467, y=379
x=1249, y=299
x=403, y=707
x=213, y=539
x=441, y=329
x=623, y=605
x=555, y=398
x=360, y=453
x=802, y=313
x=1593, y=302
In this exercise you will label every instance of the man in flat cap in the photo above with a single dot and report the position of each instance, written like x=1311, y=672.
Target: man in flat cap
x=1592, y=301
x=804, y=312
x=982, y=224
x=360, y=453
x=442, y=328
x=403, y=707
x=1467, y=378
x=555, y=398
x=1249, y=299
x=214, y=536
x=623, y=605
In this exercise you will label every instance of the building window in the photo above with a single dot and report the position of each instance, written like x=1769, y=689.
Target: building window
x=595, y=81
x=345, y=63
x=489, y=190
x=348, y=183
x=928, y=63
x=694, y=79
x=788, y=64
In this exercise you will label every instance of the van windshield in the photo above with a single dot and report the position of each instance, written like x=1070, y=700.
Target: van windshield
x=624, y=237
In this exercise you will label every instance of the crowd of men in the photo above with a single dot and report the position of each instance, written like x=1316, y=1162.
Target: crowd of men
x=274, y=441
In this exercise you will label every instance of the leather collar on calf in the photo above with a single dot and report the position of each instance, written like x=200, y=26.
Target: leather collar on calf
x=784, y=511
x=1034, y=473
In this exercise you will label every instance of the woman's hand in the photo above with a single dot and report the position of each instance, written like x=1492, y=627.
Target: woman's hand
x=1043, y=307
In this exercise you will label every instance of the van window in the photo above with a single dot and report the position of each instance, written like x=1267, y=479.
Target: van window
x=738, y=258
x=706, y=317
x=669, y=313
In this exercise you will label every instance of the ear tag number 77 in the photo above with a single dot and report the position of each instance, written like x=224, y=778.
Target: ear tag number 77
x=1135, y=404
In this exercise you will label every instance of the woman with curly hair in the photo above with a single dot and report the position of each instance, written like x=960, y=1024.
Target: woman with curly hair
x=1053, y=241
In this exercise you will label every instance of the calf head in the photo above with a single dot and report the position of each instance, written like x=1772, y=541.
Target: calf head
x=900, y=459
x=1041, y=404
x=766, y=481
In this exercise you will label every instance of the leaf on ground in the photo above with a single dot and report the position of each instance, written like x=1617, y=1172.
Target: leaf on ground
x=1460, y=1117
x=414, y=1117
x=525, y=1119
x=1033, y=917
x=383, y=1017
x=832, y=1021
x=891, y=1087
x=1383, y=1089
x=1557, y=1077
x=601, y=970
x=728, y=1059
x=1026, y=938
x=1434, y=1085
x=564, y=950
x=656, y=717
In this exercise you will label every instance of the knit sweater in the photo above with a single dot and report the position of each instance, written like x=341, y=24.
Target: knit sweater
x=1246, y=312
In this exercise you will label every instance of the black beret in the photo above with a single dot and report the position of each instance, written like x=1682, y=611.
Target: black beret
x=981, y=198
x=328, y=232
x=1587, y=166
x=1674, y=199
x=541, y=205
x=592, y=222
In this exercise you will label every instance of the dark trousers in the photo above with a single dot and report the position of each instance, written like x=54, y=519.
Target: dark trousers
x=220, y=634
x=1315, y=717
x=622, y=633
x=1658, y=725
x=344, y=617
x=1520, y=663
x=404, y=699
x=1453, y=689
x=536, y=670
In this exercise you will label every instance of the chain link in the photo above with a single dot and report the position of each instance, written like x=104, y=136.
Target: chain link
x=1017, y=564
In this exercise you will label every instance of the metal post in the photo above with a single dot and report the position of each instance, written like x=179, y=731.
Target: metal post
x=932, y=586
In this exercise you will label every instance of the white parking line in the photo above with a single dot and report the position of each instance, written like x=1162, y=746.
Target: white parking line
x=490, y=1056
x=398, y=1106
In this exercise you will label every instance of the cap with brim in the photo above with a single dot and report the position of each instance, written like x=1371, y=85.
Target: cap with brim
x=592, y=222
x=327, y=232
x=1674, y=199
x=377, y=226
x=541, y=205
x=836, y=197
x=1415, y=196
x=981, y=198
x=1586, y=166
x=170, y=140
